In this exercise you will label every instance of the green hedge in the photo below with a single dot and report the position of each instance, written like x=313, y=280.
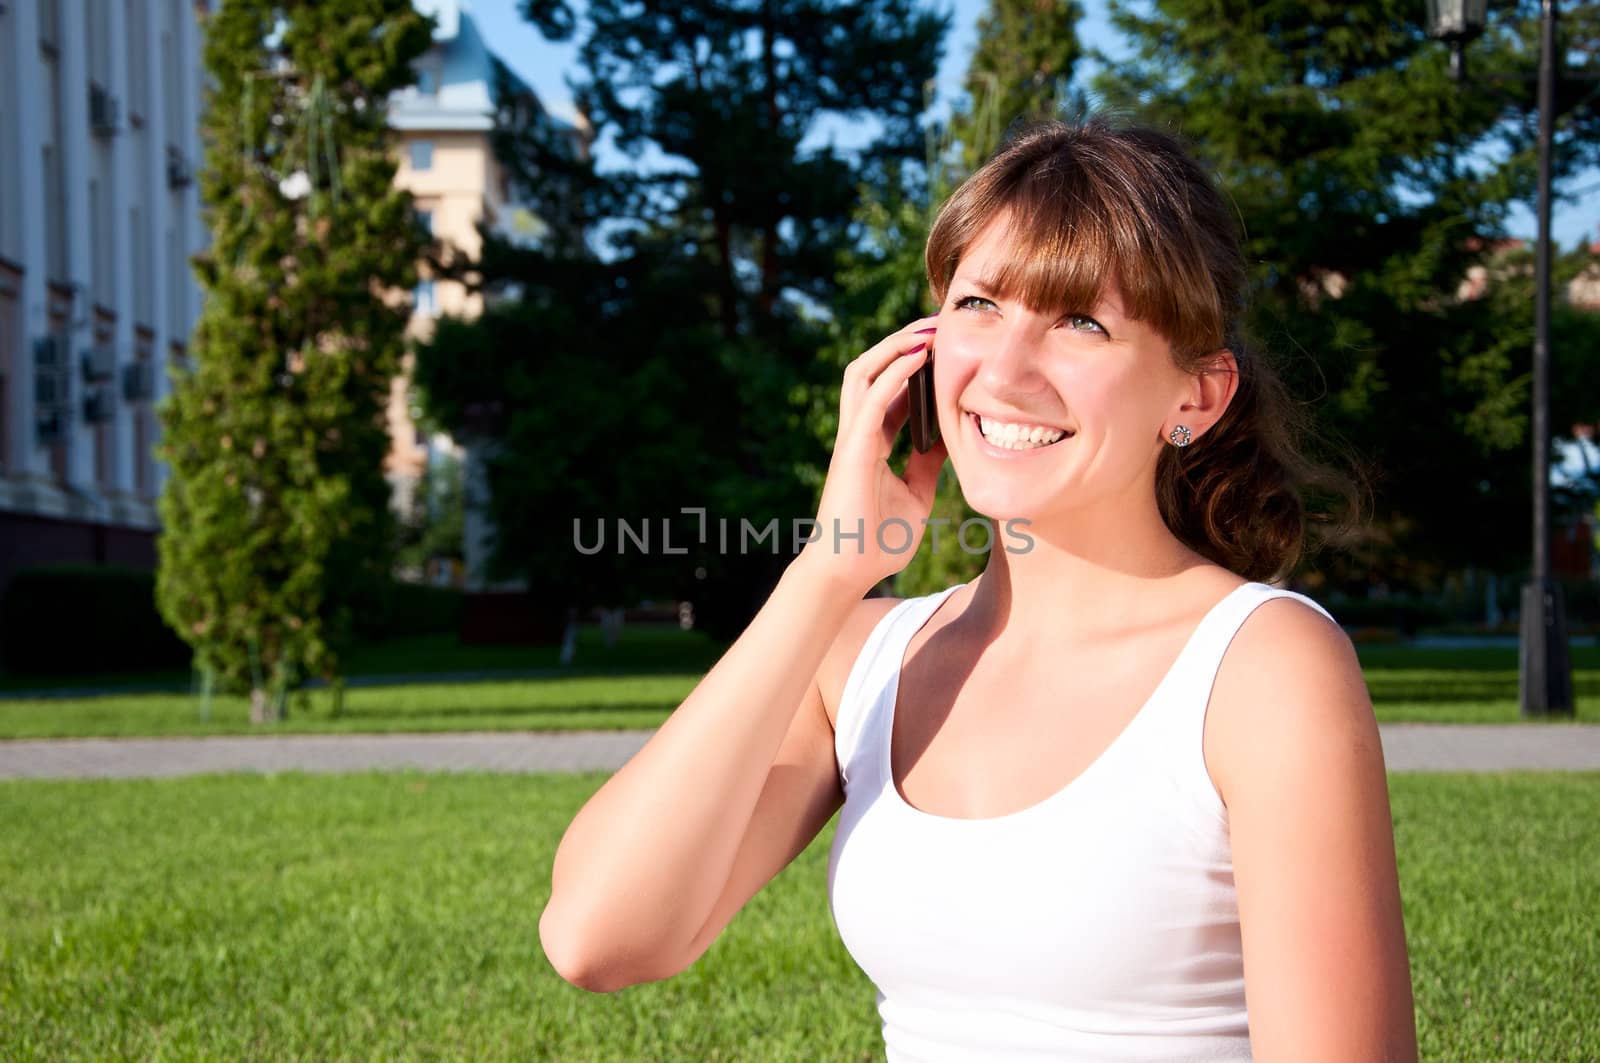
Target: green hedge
x=409, y=609
x=85, y=620
x=65, y=620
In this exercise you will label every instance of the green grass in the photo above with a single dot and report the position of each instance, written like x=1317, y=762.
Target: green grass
x=372, y=917
x=394, y=916
x=1464, y=685
x=638, y=683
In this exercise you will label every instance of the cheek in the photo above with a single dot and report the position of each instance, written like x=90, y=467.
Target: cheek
x=954, y=362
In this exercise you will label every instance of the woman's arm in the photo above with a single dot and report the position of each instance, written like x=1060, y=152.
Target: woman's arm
x=640, y=868
x=1298, y=760
x=639, y=874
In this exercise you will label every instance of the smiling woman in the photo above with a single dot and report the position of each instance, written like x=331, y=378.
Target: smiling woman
x=1097, y=798
x=1121, y=238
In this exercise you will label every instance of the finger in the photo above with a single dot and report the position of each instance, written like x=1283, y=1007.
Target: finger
x=922, y=473
x=896, y=417
x=892, y=381
x=873, y=405
x=871, y=362
x=853, y=392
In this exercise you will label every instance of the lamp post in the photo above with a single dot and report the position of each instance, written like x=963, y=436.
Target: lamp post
x=1545, y=672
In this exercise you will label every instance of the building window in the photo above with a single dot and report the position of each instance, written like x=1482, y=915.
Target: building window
x=422, y=154
x=425, y=219
x=427, y=81
x=425, y=301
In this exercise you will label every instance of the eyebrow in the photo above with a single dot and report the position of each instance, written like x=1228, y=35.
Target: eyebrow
x=1104, y=308
x=976, y=283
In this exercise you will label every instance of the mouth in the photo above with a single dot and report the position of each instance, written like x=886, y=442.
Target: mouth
x=1004, y=436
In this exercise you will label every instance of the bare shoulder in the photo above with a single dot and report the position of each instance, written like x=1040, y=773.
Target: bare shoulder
x=1298, y=759
x=1290, y=677
x=847, y=645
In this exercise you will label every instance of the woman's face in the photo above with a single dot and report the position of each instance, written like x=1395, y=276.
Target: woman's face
x=1099, y=383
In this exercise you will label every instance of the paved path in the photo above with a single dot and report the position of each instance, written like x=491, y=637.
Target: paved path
x=1407, y=747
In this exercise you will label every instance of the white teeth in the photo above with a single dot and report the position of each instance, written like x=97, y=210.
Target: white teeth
x=1016, y=436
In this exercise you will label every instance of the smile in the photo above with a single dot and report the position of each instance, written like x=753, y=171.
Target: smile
x=1009, y=436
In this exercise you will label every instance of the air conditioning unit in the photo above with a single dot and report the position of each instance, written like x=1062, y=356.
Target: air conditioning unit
x=47, y=352
x=49, y=390
x=138, y=381
x=51, y=425
x=99, y=406
x=50, y=383
x=99, y=364
x=105, y=110
x=178, y=173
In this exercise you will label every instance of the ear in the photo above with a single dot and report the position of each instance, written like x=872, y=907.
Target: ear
x=1208, y=393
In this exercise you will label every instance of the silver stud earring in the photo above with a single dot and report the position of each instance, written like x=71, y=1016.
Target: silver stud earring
x=1181, y=436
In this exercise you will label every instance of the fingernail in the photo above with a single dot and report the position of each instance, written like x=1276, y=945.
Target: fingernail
x=917, y=348
x=920, y=331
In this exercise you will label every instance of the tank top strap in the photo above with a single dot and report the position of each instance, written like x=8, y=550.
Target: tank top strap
x=1216, y=633
x=875, y=666
x=1184, y=697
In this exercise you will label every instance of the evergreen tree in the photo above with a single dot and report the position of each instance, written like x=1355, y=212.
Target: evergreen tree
x=657, y=350
x=1368, y=184
x=275, y=518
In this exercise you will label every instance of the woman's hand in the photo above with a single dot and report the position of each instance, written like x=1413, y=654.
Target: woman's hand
x=862, y=494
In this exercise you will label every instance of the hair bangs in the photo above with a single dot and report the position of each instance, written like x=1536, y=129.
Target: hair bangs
x=1083, y=220
x=1062, y=255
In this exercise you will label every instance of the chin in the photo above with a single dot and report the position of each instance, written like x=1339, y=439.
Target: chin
x=1000, y=502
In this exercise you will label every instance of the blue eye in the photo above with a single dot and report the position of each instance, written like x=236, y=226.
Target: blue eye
x=1074, y=320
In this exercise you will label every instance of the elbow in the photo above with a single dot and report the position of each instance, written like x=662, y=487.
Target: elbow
x=571, y=950
x=565, y=949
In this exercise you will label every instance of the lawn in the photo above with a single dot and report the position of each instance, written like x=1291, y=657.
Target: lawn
x=432, y=685
x=394, y=916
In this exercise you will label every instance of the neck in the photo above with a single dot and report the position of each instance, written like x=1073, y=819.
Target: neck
x=1087, y=572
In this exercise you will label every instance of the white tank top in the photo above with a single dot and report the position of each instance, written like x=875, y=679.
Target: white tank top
x=1100, y=924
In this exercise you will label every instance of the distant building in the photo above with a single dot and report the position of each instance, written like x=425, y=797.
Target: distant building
x=99, y=212
x=100, y=106
x=448, y=164
x=1584, y=291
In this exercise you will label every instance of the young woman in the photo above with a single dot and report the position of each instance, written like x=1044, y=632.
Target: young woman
x=1117, y=798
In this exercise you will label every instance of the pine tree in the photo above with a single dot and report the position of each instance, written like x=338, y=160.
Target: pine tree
x=275, y=517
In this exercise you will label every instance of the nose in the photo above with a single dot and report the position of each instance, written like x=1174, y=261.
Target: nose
x=1010, y=364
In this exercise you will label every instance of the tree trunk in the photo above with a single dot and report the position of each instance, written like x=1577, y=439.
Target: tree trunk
x=260, y=706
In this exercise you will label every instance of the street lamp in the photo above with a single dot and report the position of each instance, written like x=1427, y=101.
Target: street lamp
x=1545, y=673
x=1457, y=23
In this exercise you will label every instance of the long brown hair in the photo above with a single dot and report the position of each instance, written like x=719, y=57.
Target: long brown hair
x=1096, y=201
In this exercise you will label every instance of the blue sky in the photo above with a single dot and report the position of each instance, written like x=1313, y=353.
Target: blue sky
x=544, y=66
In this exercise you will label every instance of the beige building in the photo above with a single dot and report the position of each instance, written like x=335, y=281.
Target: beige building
x=447, y=163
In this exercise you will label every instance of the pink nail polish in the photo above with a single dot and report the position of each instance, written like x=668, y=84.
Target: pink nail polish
x=917, y=348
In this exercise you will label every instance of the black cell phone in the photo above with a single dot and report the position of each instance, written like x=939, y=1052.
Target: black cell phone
x=924, y=417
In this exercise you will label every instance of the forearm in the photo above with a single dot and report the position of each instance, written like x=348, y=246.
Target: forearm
x=645, y=860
